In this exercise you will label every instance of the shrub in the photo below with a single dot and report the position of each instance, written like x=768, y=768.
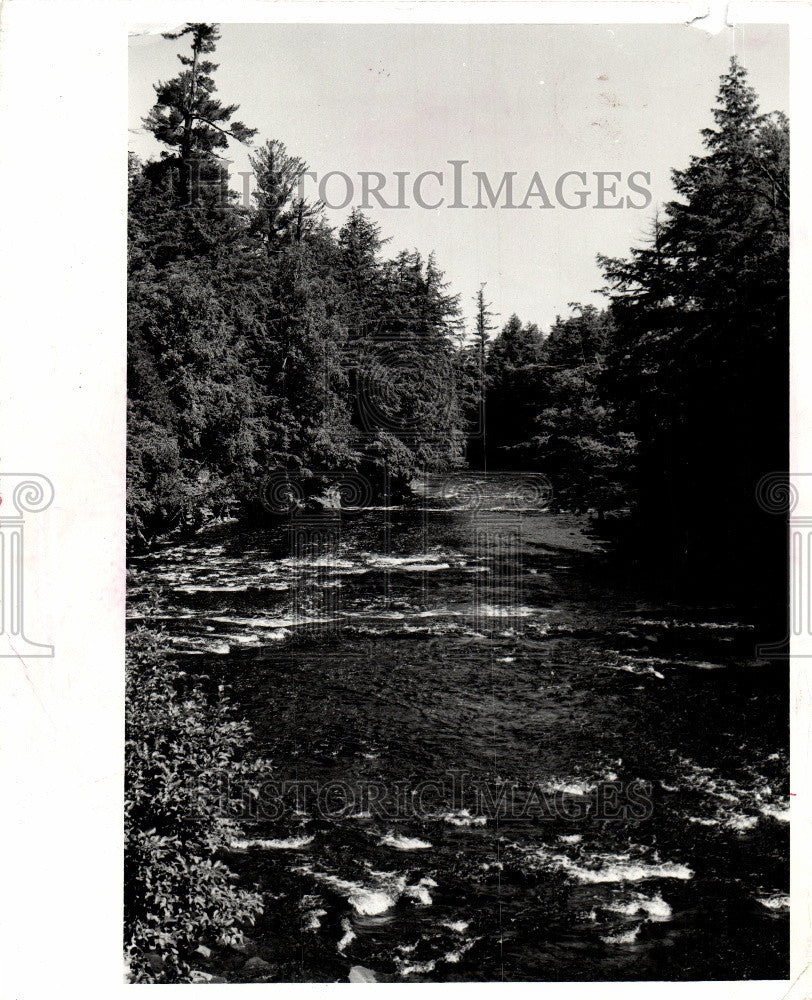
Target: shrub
x=180, y=743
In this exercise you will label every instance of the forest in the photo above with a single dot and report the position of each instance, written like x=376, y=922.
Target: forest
x=262, y=342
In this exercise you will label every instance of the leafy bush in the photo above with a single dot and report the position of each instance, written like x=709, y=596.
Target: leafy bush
x=180, y=743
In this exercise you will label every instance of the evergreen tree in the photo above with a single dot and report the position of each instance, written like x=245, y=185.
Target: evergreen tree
x=515, y=346
x=702, y=360
x=483, y=329
x=473, y=378
x=361, y=273
x=575, y=438
x=282, y=215
x=190, y=120
x=515, y=392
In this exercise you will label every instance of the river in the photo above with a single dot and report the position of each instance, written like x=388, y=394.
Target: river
x=471, y=649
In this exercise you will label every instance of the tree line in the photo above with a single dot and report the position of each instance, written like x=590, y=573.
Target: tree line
x=263, y=340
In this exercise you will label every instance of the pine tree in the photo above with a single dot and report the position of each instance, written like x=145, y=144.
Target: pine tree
x=575, y=437
x=516, y=345
x=483, y=327
x=282, y=215
x=189, y=119
x=361, y=273
x=701, y=364
x=473, y=377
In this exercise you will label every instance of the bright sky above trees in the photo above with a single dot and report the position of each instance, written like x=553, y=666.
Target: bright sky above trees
x=547, y=98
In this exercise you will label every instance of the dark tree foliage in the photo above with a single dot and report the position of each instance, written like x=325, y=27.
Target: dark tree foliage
x=259, y=341
x=283, y=216
x=672, y=404
x=700, y=368
x=472, y=360
x=512, y=392
x=190, y=120
x=548, y=409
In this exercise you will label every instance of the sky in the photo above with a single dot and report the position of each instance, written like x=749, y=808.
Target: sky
x=518, y=98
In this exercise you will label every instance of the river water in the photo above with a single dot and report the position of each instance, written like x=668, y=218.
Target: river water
x=403, y=668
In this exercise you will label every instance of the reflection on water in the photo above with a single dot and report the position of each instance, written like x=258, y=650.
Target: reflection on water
x=489, y=639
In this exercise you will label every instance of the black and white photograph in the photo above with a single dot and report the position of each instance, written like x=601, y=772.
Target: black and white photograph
x=457, y=503
x=405, y=497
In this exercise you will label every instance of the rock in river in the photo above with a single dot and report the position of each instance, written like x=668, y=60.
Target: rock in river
x=358, y=974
